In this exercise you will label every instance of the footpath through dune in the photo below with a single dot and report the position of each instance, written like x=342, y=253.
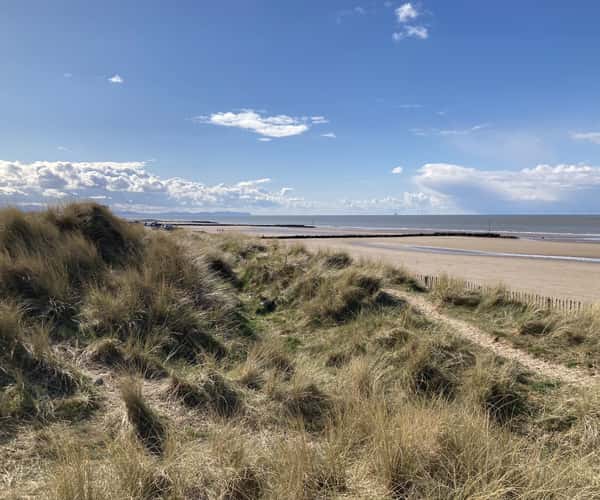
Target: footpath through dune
x=498, y=346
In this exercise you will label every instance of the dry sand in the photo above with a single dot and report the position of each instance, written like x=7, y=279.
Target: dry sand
x=573, y=280
x=555, y=278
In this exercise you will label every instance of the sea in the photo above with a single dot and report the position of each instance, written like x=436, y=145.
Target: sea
x=585, y=228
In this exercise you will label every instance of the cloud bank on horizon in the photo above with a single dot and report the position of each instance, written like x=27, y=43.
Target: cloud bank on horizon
x=439, y=188
x=130, y=186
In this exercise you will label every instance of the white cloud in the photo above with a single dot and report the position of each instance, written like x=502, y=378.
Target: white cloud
x=593, y=137
x=464, y=131
x=439, y=187
x=409, y=106
x=397, y=170
x=407, y=202
x=116, y=79
x=329, y=135
x=130, y=186
x=317, y=120
x=544, y=187
x=269, y=126
x=264, y=139
x=450, y=132
x=127, y=185
x=63, y=148
x=419, y=32
x=406, y=12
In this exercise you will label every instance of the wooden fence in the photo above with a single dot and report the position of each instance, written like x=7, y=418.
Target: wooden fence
x=542, y=301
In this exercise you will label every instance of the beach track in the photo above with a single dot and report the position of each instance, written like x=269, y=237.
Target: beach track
x=499, y=347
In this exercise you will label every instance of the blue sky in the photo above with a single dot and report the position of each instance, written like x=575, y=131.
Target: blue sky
x=302, y=107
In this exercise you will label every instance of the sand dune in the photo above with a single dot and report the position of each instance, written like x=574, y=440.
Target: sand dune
x=552, y=277
x=574, y=280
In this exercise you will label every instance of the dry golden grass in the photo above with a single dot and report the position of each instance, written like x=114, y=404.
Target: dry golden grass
x=333, y=391
x=571, y=339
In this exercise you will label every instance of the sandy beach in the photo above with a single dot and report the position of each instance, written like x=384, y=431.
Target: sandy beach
x=557, y=278
x=536, y=266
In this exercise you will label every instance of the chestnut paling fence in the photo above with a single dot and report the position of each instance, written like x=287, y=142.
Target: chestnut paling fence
x=542, y=301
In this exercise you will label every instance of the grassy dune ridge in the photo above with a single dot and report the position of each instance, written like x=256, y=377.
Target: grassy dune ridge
x=570, y=339
x=138, y=364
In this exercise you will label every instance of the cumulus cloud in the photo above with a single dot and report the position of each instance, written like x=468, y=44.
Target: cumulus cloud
x=276, y=126
x=593, y=137
x=397, y=170
x=541, y=188
x=406, y=12
x=127, y=185
x=419, y=32
x=406, y=202
x=131, y=186
x=116, y=79
x=329, y=135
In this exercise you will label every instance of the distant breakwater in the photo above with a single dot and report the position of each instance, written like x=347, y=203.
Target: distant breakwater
x=388, y=235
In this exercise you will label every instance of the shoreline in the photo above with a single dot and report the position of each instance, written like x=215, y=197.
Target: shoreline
x=460, y=234
x=558, y=268
x=302, y=231
x=473, y=259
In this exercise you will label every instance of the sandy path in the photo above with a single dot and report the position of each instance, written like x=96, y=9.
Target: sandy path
x=499, y=347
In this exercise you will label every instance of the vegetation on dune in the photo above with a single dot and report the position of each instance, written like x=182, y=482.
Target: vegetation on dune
x=147, y=425
x=571, y=339
x=138, y=364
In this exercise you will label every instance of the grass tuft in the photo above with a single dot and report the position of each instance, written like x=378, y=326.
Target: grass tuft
x=147, y=425
x=212, y=393
x=308, y=404
x=337, y=260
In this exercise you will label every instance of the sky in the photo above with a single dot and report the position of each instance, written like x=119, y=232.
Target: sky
x=311, y=107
